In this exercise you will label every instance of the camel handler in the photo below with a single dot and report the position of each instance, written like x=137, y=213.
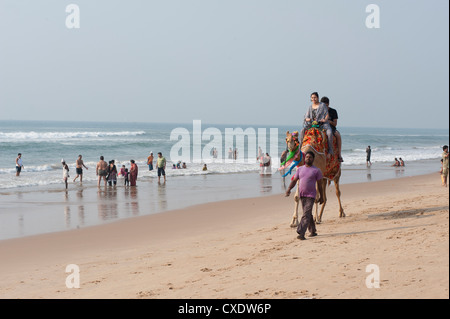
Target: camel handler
x=308, y=176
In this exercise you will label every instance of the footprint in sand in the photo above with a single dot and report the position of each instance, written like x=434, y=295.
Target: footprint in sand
x=143, y=294
x=205, y=269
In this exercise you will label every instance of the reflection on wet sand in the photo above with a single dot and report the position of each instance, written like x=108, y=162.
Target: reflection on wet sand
x=67, y=209
x=369, y=173
x=265, y=183
x=21, y=224
x=132, y=202
x=162, y=196
x=107, y=203
x=80, y=194
x=399, y=172
x=81, y=214
x=19, y=196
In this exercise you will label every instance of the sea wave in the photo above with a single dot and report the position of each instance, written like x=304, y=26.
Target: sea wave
x=38, y=136
x=50, y=174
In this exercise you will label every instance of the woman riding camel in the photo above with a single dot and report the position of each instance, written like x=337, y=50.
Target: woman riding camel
x=318, y=112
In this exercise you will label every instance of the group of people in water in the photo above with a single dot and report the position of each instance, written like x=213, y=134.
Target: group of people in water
x=179, y=165
x=398, y=162
x=108, y=172
x=129, y=176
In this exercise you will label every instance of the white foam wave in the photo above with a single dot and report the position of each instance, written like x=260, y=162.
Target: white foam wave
x=51, y=174
x=37, y=136
x=387, y=156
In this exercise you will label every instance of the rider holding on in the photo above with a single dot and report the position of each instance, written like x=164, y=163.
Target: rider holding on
x=318, y=112
x=332, y=120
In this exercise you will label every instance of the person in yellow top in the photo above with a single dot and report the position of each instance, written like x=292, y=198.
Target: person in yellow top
x=161, y=163
x=444, y=165
x=150, y=162
x=205, y=168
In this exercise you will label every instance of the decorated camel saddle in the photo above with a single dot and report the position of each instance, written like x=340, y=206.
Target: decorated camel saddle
x=315, y=140
x=293, y=156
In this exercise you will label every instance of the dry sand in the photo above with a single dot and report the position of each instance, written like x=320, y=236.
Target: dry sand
x=246, y=249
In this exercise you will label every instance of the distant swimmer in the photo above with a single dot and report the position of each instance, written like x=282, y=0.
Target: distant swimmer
x=19, y=164
x=79, y=168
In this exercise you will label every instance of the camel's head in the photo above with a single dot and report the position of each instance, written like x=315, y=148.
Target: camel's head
x=292, y=140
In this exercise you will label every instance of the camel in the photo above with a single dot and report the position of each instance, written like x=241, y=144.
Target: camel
x=315, y=140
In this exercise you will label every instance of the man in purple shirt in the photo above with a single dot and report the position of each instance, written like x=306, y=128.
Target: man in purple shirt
x=308, y=176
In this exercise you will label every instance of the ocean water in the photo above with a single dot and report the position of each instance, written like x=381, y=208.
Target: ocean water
x=36, y=202
x=44, y=144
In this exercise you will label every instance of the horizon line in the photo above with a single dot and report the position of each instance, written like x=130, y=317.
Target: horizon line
x=207, y=123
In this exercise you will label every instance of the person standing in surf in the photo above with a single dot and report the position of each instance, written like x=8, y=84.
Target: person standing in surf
x=65, y=172
x=133, y=173
x=444, y=165
x=19, y=164
x=368, y=154
x=102, y=170
x=79, y=169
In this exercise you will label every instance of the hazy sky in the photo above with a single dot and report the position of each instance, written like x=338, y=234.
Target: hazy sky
x=225, y=61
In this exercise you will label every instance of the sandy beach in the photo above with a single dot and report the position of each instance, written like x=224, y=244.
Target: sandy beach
x=245, y=249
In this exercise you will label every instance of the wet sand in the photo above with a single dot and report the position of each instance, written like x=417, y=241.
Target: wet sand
x=39, y=210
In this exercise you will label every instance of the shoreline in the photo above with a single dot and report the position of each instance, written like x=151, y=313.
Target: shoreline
x=244, y=248
x=27, y=212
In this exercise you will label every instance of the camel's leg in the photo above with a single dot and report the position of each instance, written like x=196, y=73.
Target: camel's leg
x=338, y=194
x=294, y=222
x=322, y=208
